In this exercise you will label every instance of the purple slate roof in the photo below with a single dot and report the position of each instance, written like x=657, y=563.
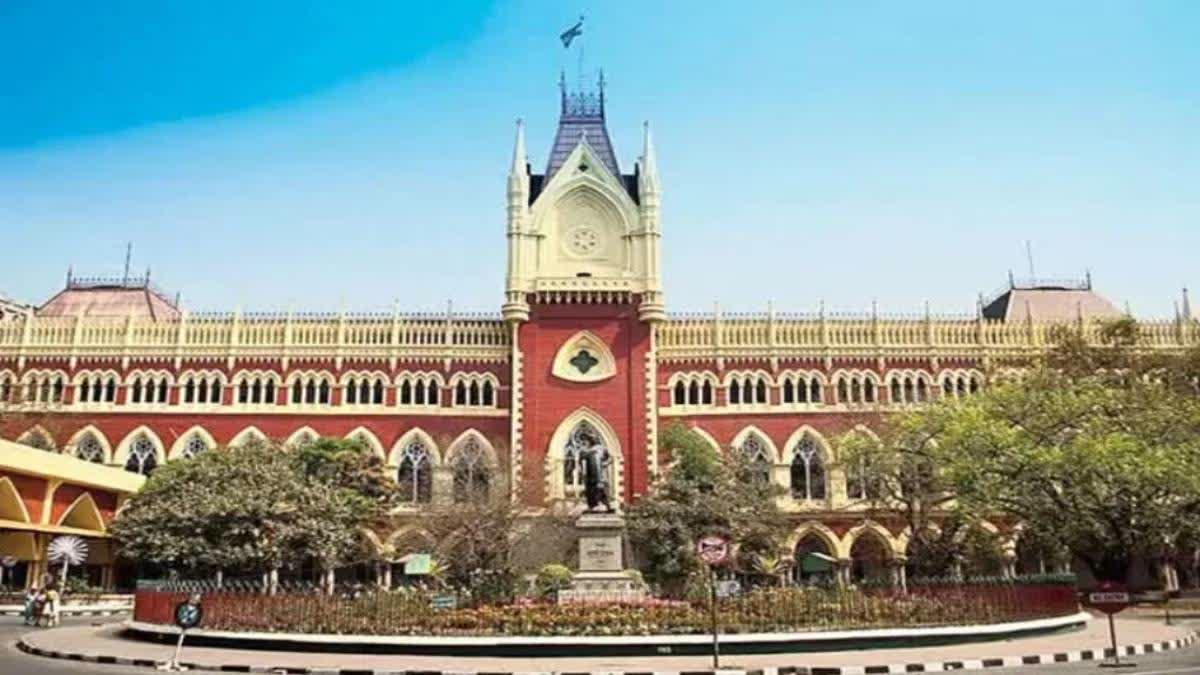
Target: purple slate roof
x=570, y=130
x=581, y=118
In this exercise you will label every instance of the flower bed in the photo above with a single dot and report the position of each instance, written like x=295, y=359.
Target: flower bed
x=764, y=610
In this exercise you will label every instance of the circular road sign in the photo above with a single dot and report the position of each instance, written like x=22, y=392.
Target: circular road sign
x=712, y=549
x=1109, y=597
x=188, y=614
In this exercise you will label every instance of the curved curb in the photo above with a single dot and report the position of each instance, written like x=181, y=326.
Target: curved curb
x=936, y=666
x=645, y=646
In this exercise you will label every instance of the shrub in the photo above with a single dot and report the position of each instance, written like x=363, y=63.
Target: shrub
x=551, y=579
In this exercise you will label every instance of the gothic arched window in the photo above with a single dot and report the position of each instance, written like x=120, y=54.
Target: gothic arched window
x=416, y=474
x=38, y=439
x=470, y=473
x=808, y=470
x=89, y=449
x=195, y=445
x=758, y=458
x=142, y=456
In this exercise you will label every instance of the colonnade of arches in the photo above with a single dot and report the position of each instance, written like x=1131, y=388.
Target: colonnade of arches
x=814, y=388
x=869, y=553
x=158, y=388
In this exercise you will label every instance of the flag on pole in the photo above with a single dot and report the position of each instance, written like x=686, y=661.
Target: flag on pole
x=571, y=33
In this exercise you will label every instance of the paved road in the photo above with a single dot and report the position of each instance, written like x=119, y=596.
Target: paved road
x=13, y=662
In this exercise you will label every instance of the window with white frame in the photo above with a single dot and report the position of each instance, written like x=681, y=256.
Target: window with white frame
x=148, y=389
x=747, y=389
x=801, y=388
x=808, y=470
x=471, y=473
x=363, y=390
x=195, y=445
x=757, y=455
x=256, y=389
x=96, y=388
x=143, y=456
x=415, y=474
x=474, y=391
x=311, y=389
x=958, y=384
x=38, y=438
x=693, y=389
x=909, y=388
x=418, y=390
x=7, y=387
x=201, y=389
x=90, y=449
x=44, y=387
x=855, y=388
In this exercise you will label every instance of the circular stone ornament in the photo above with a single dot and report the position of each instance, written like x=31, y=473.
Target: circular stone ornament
x=583, y=240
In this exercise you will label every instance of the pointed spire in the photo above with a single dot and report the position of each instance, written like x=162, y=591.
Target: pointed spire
x=518, y=173
x=1187, y=306
x=70, y=275
x=649, y=172
x=519, y=163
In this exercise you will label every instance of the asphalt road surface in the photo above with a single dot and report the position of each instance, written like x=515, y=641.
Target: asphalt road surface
x=14, y=662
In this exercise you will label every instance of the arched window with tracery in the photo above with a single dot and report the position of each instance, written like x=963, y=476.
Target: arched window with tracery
x=195, y=445
x=808, y=470
x=256, y=388
x=415, y=474
x=38, y=439
x=757, y=456
x=143, y=457
x=471, y=473
x=861, y=483
x=90, y=449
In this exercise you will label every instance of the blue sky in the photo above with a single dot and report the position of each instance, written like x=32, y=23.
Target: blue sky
x=323, y=154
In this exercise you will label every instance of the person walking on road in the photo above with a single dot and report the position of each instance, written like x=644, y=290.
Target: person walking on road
x=31, y=596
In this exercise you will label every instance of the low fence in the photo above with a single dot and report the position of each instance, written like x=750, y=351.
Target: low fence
x=790, y=609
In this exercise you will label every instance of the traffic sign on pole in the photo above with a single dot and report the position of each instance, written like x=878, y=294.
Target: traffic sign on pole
x=1111, y=597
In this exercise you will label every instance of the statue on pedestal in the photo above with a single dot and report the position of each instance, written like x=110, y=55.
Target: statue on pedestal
x=597, y=464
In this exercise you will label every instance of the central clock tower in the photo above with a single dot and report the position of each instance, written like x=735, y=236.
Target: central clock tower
x=581, y=294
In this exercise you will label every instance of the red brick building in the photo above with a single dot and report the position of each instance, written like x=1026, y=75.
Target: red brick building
x=583, y=351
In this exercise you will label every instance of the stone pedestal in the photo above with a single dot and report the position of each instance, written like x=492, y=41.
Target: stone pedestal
x=602, y=573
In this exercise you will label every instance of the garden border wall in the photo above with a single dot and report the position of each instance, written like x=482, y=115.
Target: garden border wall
x=629, y=645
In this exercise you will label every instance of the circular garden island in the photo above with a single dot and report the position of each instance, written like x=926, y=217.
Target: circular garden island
x=780, y=619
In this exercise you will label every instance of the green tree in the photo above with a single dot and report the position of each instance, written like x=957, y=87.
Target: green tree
x=900, y=470
x=1095, y=450
x=703, y=493
x=243, y=510
x=350, y=466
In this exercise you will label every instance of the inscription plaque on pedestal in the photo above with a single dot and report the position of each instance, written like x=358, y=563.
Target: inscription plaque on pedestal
x=601, y=574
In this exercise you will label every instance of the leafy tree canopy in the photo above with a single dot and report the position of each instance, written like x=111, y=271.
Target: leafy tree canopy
x=1096, y=447
x=243, y=509
x=703, y=493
